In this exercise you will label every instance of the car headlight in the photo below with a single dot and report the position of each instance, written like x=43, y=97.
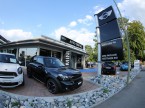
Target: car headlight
x=19, y=70
x=64, y=77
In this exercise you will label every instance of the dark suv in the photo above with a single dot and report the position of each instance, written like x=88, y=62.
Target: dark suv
x=54, y=74
x=109, y=68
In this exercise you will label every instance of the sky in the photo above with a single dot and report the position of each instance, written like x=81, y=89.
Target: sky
x=26, y=19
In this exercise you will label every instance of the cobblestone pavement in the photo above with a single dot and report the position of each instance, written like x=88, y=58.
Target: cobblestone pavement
x=35, y=88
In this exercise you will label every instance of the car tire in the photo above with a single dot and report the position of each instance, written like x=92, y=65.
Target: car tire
x=52, y=86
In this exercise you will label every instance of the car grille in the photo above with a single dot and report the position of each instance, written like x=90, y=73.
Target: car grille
x=7, y=74
x=9, y=84
x=76, y=76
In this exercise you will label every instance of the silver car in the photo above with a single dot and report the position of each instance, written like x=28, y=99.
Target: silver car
x=11, y=74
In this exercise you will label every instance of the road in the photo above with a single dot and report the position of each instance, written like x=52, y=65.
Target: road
x=132, y=96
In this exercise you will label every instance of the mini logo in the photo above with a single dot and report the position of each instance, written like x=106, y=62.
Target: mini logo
x=105, y=15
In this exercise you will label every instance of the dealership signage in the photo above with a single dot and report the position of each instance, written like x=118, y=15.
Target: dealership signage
x=67, y=58
x=106, y=16
x=110, y=36
x=69, y=41
x=110, y=31
x=112, y=50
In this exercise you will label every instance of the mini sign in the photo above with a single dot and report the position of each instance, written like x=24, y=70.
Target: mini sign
x=69, y=41
x=106, y=16
x=112, y=50
x=67, y=58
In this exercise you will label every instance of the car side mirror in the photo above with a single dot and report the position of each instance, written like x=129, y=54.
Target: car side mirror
x=20, y=63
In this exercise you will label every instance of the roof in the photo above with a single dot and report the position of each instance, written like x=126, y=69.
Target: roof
x=43, y=40
x=3, y=39
x=6, y=53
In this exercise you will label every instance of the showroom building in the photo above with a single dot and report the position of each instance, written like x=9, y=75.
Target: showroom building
x=67, y=50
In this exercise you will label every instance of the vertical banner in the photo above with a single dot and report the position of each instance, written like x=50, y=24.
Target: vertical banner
x=110, y=36
x=112, y=50
x=67, y=57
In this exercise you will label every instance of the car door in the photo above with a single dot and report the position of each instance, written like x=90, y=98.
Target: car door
x=34, y=66
x=40, y=69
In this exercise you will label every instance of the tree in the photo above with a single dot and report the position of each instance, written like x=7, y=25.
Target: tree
x=92, y=52
x=136, y=35
x=125, y=21
x=95, y=50
x=89, y=51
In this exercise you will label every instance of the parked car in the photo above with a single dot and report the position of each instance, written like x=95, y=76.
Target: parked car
x=109, y=68
x=11, y=74
x=124, y=66
x=54, y=74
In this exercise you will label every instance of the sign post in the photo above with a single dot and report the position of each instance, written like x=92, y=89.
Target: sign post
x=128, y=46
x=109, y=37
x=99, y=47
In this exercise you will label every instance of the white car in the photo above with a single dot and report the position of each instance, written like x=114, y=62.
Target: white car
x=11, y=74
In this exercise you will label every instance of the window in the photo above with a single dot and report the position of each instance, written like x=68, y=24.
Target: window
x=34, y=59
x=25, y=54
x=40, y=60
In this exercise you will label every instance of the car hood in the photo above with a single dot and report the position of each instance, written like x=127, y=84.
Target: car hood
x=68, y=71
x=9, y=67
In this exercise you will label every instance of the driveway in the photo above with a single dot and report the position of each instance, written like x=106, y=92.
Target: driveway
x=35, y=88
x=132, y=96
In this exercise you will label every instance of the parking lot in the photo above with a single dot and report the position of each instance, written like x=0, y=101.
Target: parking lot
x=33, y=87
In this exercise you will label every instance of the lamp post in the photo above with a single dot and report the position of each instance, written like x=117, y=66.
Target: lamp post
x=127, y=40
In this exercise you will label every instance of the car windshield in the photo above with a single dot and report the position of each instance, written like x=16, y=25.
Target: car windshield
x=126, y=63
x=109, y=63
x=53, y=63
x=7, y=58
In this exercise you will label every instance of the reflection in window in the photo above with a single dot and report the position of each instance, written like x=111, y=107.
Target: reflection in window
x=25, y=54
x=56, y=54
x=12, y=51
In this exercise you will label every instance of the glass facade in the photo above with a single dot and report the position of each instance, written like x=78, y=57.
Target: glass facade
x=56, y=54
x=25, y=55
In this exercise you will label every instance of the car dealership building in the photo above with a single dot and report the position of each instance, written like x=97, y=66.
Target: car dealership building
x=67, y=50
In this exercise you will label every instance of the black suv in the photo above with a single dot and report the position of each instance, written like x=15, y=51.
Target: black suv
x=54, y=74
x=109, y=68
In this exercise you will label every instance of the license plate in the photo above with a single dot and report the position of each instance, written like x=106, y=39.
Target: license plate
x=6, y=81
x=79, y=83
x=108, y=67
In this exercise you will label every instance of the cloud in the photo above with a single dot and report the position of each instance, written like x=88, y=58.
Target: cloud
x=133, y=9
x=73, y=23
x=98, y=9
x=15, y=34
x=87, y=20
x=39, y=25
x=82, y=36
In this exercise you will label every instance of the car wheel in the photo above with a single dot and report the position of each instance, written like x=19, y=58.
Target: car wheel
x=52, y=86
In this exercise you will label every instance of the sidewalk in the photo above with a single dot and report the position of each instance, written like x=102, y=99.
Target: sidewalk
x=132, y=96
